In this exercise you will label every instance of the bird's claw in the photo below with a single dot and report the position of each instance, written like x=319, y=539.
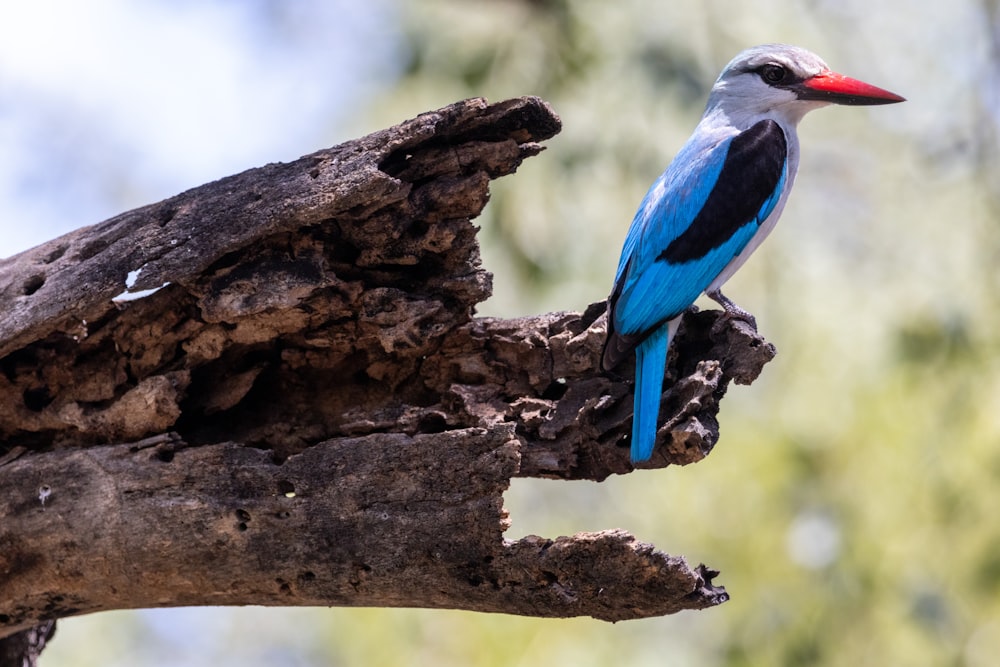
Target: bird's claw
x=730, y=310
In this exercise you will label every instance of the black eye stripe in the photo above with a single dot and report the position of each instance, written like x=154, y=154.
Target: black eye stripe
x=777, y=75
x=772, y=73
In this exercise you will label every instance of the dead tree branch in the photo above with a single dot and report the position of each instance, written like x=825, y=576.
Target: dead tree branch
x=300, y=409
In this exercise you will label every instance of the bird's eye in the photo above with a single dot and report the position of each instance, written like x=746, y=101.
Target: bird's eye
x=773, y=73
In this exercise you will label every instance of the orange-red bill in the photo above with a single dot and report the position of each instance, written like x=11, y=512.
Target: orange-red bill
x=833, y=87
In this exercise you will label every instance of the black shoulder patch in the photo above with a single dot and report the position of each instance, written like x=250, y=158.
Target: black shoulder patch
x=752, y=169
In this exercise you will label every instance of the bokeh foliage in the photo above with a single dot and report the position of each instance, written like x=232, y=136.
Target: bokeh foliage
x=852, y=502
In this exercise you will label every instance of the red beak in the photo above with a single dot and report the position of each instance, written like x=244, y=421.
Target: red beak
x=829, y=86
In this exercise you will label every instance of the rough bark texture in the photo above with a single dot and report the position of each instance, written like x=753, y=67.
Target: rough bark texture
x=305, y=411
x=23, y=649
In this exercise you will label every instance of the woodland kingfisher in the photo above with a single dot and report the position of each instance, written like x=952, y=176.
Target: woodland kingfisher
x=713, y=206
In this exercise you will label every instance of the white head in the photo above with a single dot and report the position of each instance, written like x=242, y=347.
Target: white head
x=785, y=82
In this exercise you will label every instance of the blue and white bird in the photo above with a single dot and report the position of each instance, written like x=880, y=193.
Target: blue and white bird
x=715, y=203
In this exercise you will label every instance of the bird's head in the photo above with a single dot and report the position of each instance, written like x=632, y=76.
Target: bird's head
x=787, y=81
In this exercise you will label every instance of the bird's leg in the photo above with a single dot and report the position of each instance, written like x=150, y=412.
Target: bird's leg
x=732, y=310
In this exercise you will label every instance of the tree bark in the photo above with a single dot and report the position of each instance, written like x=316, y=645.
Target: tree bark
x=271, y=389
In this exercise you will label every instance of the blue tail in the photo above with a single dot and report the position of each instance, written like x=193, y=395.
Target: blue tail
x=650, y=359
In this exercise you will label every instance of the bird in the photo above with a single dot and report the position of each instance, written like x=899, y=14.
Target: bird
x=712, y=207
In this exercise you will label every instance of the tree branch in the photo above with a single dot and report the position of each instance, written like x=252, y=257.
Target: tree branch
x=302, y=410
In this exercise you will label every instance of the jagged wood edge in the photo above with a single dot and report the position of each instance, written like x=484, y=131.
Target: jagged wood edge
x=434, y=169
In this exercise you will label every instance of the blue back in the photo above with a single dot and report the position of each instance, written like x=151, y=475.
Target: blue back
x=660, y=273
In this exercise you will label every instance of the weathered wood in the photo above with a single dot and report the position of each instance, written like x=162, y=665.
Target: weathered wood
x=352, y=521
x=305, y=411
x=23, y=649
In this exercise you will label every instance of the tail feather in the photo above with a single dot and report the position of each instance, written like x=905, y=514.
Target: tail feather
x=650, y=360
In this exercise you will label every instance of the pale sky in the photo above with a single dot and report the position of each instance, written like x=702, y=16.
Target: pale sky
x=110, y=104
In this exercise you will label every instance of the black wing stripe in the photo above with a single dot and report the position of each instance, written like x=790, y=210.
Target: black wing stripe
x=751, y=171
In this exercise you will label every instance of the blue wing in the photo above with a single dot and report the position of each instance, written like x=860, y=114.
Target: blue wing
x=694, y=220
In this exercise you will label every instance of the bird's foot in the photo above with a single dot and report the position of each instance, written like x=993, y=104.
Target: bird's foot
x=732, y=311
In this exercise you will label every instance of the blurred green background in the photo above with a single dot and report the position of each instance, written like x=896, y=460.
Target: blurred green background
x=853, y=502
